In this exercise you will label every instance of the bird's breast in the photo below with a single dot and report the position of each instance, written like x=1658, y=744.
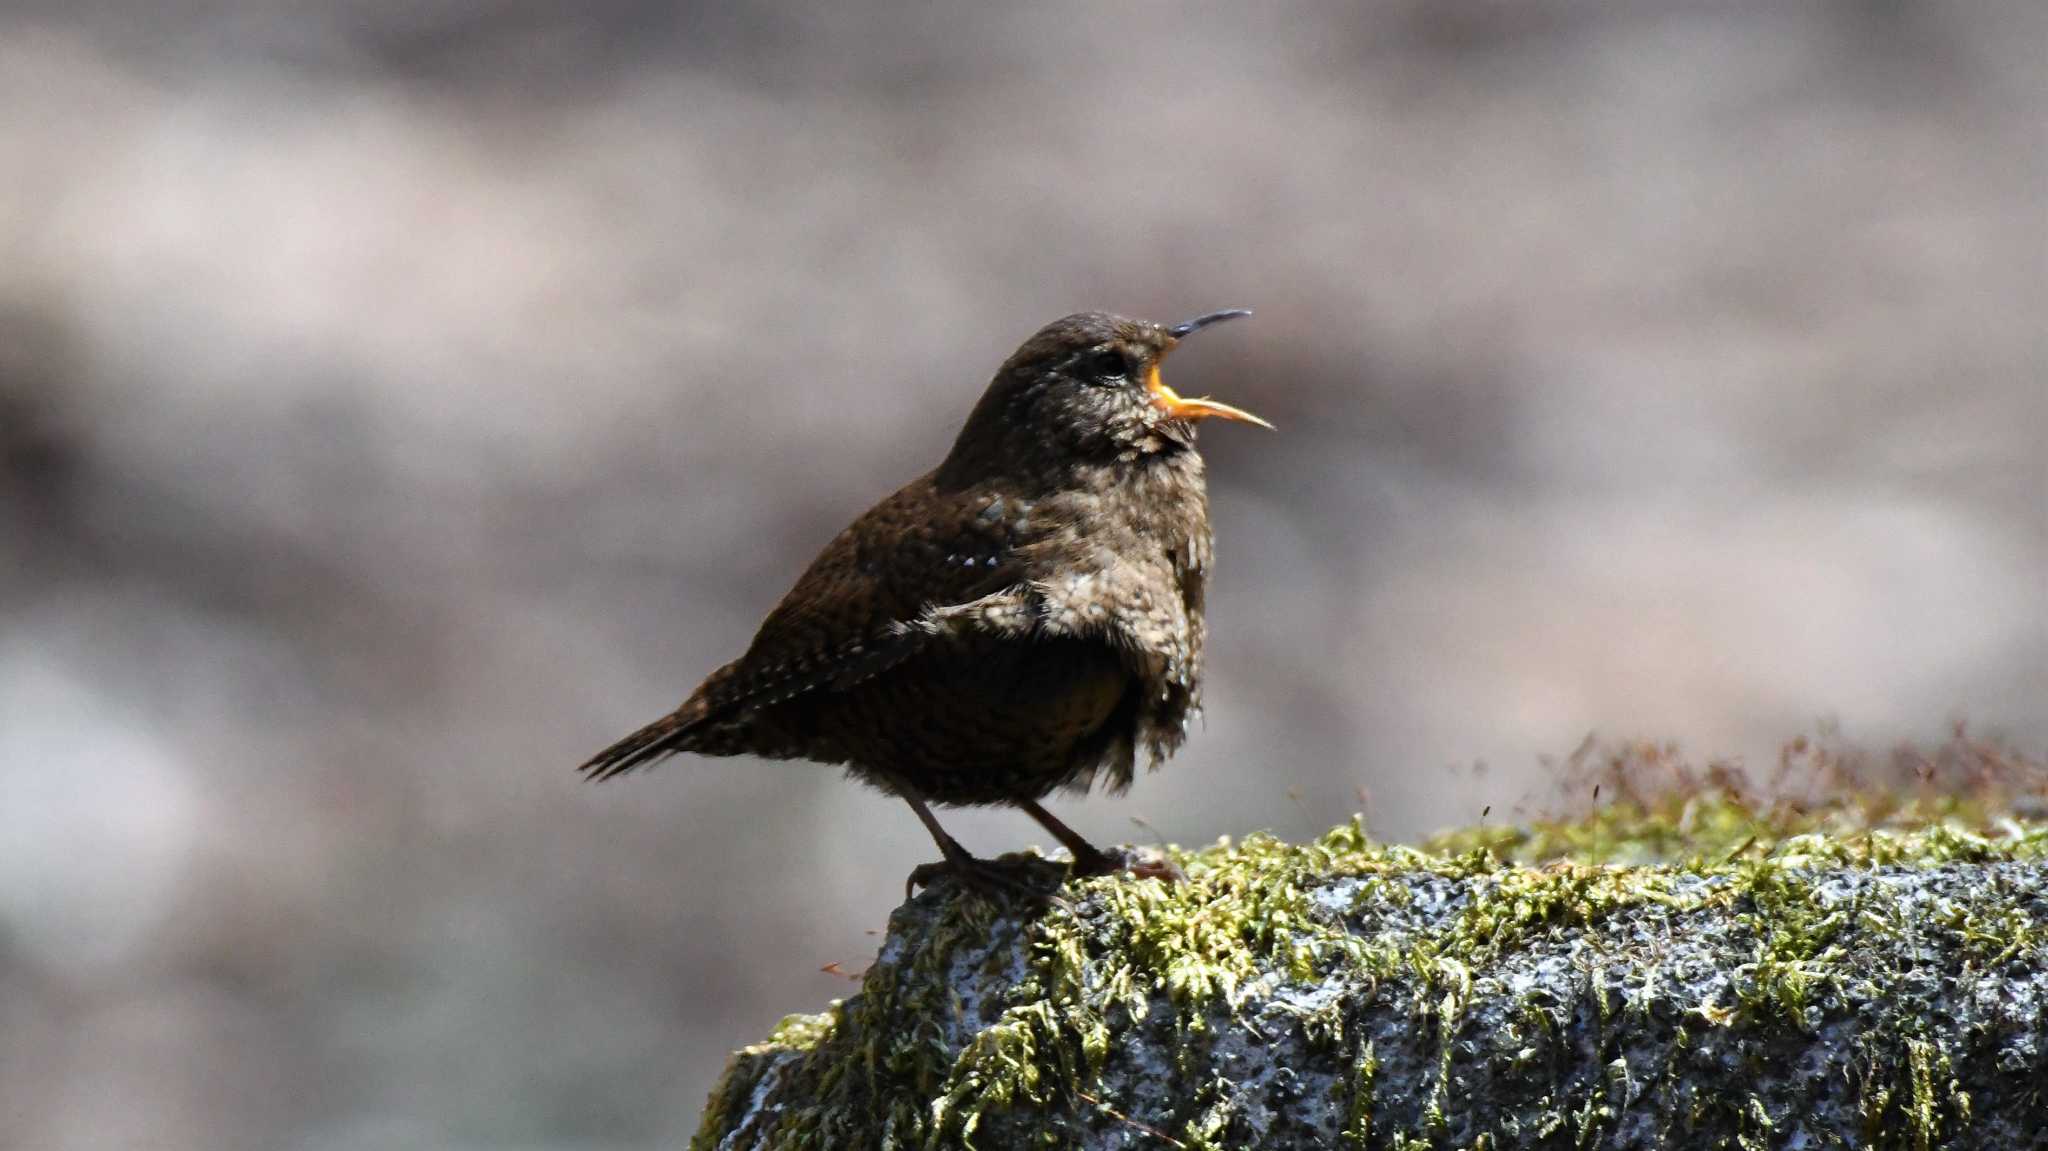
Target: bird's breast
x=1121, y=569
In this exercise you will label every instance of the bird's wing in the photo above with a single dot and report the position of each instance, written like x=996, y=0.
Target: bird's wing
x=924, y=563
x=857, y=611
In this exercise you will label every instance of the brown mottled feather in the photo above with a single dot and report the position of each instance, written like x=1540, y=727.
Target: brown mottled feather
x=847, y=619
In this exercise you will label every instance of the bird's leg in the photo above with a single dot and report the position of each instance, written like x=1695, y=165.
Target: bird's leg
x=957, y=858
x=1092, y=860
x=1088, y=859
x=978, y=874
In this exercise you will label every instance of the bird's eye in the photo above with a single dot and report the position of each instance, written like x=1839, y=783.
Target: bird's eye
x=1108, y=364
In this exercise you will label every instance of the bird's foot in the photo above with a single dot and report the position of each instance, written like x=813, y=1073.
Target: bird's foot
x=1011, y=875
x=1140, y=862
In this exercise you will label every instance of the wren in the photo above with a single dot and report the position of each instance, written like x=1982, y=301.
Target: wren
x=1024, y=618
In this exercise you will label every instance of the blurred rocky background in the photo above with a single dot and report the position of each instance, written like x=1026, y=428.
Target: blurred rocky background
x=400, y=400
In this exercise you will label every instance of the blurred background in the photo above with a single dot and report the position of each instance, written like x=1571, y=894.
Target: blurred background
x=400, y=400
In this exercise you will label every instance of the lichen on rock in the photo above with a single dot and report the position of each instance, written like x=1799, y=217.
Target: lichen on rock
x=1685, y=974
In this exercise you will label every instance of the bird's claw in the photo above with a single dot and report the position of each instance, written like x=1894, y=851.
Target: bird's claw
x=990, y=878
x=1023, y=875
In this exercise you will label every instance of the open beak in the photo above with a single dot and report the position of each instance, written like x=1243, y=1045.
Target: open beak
x=1181, y=408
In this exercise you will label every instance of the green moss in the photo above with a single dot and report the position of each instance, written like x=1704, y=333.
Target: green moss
x=801, y=1032
x=1698, y=829
x=1358, y=1115
x=897, y=1066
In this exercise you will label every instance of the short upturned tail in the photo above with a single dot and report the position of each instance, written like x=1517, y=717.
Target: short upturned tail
x=657, y=741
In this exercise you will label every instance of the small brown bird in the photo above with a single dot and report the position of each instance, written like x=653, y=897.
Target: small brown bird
x=1023, y=618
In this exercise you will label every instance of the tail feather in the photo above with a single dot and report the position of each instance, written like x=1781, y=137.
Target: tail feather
x=658, y=740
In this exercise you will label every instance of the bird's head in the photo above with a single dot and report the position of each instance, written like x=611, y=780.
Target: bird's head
x=1087, y=387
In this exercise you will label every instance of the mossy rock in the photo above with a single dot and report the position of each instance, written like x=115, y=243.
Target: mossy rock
x=1698, y=976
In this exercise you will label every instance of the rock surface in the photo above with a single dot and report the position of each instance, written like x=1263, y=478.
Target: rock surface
x=1789, y=988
